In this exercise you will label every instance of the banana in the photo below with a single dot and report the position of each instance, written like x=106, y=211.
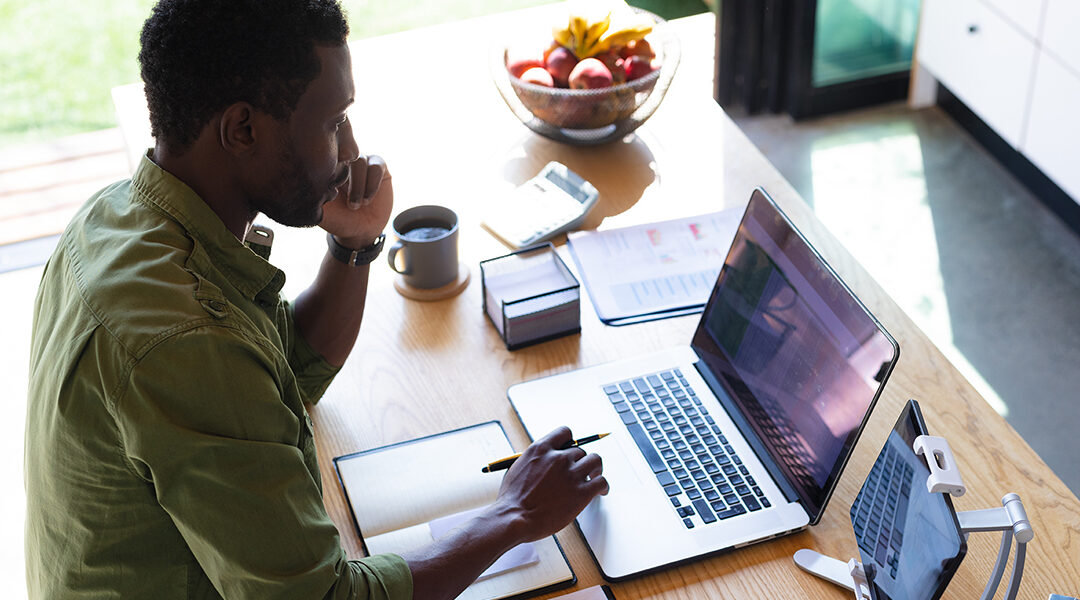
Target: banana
x=563, y=36
x=578, y=25
x=594, y=27
x=593, y=33
x=627, y=27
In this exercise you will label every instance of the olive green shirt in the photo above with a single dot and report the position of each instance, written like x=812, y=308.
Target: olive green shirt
x=168, y=450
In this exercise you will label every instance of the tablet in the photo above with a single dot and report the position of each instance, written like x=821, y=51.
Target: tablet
x=909, y=539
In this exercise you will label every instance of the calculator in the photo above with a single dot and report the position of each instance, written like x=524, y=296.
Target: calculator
x=553, y=202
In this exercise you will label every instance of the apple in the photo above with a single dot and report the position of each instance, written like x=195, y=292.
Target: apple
x=560, y=62
x=552, y=46
x=637, y=66
x=519, y=61
x=637, y=48
x=625, y=102
x=539, y=76
x=590, y=74
x=611, y=60
x=588, y=112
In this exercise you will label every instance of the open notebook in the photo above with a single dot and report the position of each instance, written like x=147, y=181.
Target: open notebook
x=406, y=495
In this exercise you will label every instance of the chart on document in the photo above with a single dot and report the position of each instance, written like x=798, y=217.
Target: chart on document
x=656, y=268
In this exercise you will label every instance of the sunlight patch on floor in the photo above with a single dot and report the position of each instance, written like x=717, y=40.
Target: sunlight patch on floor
x=862, y=189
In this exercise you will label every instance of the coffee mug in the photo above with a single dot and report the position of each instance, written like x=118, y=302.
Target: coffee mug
x=427, y=244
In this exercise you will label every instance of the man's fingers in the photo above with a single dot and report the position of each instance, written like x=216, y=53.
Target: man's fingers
x=559, y=437
x=590, y=465
x=358, y=171
x=591, y=469
x=598, y=486
x=376, y=170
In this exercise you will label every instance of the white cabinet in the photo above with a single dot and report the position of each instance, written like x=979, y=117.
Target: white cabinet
x=1026, y=15
x=981, y=58
x=1060, y=35
x=1015, y=64
x=1053, y=135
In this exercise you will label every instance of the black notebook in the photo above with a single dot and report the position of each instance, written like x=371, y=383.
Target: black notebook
x=406, y=495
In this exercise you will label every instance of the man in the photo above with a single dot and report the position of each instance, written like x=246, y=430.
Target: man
x=169, y=453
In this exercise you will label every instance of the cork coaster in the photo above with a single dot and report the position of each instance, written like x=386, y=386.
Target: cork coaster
x=440, y=293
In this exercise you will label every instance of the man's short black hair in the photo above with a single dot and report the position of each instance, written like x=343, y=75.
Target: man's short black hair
x=200, y=56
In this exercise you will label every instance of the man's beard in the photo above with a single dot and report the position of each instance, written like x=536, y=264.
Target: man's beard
x=294, y=202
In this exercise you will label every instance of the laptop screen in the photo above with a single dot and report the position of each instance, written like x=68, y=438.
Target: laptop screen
x=910, y=540
x=802, y=358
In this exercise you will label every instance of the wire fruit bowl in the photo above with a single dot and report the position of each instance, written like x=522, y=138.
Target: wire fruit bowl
x=590, y=116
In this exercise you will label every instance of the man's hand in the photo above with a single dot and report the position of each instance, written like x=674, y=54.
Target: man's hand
x=548, y=486
x=545, y=489
x=362, y=207
x=328, y=314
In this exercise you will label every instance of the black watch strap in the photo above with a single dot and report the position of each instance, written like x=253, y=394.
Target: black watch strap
x=352, y=257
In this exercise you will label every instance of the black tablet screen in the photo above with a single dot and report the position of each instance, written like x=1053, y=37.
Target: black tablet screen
x=909, y=539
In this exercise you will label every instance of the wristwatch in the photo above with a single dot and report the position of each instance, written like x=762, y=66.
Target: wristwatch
x=355, y=258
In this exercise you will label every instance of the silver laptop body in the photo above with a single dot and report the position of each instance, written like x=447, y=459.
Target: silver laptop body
x=740, y=436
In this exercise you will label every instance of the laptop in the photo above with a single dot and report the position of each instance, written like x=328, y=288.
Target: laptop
x=739, y=436
x=910, y=541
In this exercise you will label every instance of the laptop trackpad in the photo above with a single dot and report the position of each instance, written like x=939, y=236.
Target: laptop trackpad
x=619, y=458
x=624, y=481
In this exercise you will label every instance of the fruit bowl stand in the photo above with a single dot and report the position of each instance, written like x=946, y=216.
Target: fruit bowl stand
x=587, y=117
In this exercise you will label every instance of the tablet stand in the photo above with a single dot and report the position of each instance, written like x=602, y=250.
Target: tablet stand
x=1010, y=518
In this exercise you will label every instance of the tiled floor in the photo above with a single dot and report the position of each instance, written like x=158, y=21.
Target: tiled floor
x=985, y=270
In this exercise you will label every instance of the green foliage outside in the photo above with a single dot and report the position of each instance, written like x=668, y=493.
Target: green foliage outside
x=60, y=58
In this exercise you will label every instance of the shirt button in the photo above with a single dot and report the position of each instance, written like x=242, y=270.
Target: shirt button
x=217, y=308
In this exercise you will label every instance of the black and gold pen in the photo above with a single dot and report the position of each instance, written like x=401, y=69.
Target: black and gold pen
x=504, y=463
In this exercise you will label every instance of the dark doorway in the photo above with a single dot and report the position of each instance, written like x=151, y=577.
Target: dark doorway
x=813, y=57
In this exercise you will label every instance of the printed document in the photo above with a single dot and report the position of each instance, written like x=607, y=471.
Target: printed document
x=655, y=270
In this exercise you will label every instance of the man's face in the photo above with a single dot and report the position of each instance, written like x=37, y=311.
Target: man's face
x=316, y=146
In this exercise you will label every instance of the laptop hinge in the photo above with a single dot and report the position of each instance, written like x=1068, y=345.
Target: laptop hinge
x=747, y=430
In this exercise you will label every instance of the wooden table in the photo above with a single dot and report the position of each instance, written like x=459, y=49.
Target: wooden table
x=425, y=101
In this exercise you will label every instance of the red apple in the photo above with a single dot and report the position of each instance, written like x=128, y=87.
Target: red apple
x=552, y=46
x=518, y=60
x=590, y=74
x=519, y=66
x=588, y=112
x=637, y=48
x=539, y=76
x=637, y=66
x=560, y=62
x=611, y=60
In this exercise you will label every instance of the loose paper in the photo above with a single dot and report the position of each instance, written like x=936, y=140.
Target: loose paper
x=518, y=556
x=654, y=268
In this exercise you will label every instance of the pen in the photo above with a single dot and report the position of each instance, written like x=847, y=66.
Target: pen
x=504, y=463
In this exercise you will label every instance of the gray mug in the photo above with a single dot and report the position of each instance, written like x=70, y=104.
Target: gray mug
x=427, y=243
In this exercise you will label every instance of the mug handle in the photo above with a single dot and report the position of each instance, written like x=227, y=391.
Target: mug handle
x=391, y=257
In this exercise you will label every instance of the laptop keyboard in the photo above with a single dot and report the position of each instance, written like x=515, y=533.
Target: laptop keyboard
x=775, y=426
x=880, y=509
x=688, y=453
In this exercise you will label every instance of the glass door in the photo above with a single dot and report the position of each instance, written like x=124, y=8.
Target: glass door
x=812, y=57
x=852, y=53
x=857, y=39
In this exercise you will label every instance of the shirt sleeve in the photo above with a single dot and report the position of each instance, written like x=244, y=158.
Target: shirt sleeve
x=205, y=421
x=313, y=373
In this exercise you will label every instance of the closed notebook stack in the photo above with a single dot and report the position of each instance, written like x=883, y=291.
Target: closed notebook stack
x=531, y=296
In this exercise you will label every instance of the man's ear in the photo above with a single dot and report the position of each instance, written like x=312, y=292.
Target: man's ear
x=238, y=130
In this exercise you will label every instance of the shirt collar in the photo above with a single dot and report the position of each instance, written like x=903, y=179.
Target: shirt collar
x=248, y=271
